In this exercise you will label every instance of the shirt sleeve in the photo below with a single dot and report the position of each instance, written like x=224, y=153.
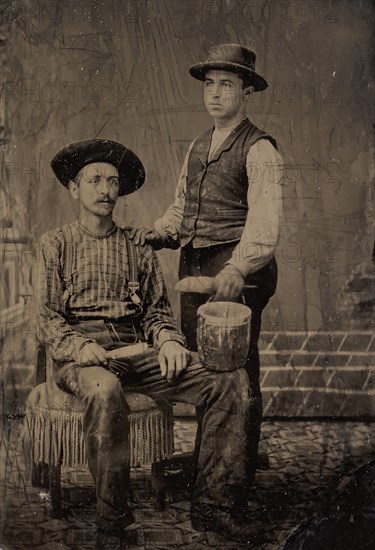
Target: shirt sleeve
x=52, y=329
x=261, y=231
x=158, y=322
x=170, y=223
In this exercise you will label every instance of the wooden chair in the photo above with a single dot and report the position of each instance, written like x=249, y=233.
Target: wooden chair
x=54, y=435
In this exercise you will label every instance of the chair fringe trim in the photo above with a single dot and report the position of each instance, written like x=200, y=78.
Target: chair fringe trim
x=151, y=437
x=56, y=437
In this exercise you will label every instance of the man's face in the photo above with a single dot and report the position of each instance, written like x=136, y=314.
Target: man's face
x=223, y=94
x=97, y=188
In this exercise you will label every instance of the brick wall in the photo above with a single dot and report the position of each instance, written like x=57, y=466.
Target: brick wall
x=318, y=374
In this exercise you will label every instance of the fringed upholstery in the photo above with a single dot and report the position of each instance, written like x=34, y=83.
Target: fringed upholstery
x=151, y=436
x=53, y=429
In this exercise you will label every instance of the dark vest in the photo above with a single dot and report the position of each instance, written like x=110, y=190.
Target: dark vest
x=216, y=191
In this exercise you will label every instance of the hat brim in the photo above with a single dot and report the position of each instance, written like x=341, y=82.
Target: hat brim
x=71, y=159
x=199, y=71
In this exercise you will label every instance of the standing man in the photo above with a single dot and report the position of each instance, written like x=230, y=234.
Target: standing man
x=95, y=308
x=228, y=206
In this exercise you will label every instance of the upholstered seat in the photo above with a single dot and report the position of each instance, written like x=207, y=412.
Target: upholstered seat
x=53, y=434
x=54, y=424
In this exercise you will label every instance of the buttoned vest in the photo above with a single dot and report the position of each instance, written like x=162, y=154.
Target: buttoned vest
x=216, y=191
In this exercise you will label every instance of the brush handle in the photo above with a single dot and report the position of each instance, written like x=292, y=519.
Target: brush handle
x=127, y=351
x=201, y=285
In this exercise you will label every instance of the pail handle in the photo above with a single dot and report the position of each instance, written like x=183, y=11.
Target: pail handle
x=210, y=299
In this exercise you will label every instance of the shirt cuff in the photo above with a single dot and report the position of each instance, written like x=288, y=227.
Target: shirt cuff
x=165, y=230
x=79, y=343
x=246, y=266
x=165, y=335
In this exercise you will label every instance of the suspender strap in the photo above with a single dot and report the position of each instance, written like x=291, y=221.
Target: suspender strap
x=67, y=263
x=133, y=283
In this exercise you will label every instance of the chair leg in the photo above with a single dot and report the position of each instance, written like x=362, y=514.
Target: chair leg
x=159, y=484
x=55, y=490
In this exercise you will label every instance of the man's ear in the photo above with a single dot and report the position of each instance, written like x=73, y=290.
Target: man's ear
x=74, y=189
x=249, y=90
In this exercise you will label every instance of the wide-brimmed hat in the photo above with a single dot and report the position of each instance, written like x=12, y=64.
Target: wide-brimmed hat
x=234, y=58
x=68, y=162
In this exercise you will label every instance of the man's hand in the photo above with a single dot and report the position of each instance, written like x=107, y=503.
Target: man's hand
x=229, y=284
x=173, y=359
x=92, y=354
x=141, y=235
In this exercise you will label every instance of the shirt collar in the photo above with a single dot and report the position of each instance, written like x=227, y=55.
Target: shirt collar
x=110, y=232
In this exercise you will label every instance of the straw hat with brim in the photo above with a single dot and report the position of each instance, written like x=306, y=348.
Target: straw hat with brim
x=233, y=58
x=68, y=162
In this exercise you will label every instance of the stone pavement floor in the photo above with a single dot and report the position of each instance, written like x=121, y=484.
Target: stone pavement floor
x=308, y=462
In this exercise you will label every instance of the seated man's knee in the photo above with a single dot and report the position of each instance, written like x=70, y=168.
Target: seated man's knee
x=99, y=384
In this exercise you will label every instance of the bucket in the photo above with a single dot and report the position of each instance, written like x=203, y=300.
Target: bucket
x=223, y=335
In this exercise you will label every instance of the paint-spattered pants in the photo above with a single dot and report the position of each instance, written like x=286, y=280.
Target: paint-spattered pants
x=209, y=261
x=222, y=462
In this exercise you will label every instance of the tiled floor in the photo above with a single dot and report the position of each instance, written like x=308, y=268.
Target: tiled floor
x=308, y=461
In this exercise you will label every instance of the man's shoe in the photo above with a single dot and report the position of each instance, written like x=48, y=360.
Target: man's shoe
x=223, y=522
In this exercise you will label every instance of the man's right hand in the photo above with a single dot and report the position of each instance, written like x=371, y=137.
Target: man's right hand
x=92, y=354
x=141, y=235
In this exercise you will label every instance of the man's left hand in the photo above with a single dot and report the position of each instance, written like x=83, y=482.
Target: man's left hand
x=229, y=284
x=173, y=359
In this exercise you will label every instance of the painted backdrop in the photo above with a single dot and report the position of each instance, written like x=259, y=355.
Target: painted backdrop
x=119, y=69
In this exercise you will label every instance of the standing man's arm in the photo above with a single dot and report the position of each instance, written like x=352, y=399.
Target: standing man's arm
x=63, y=343
x=261, y=231
x=165, y=233
x=170, y=223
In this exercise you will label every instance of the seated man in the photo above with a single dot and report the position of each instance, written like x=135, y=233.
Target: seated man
x=95, y=309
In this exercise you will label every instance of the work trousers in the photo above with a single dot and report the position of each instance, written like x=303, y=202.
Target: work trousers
x=208, y=261
x=224, y=398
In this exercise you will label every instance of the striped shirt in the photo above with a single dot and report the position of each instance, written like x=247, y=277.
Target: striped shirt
x=100, y=272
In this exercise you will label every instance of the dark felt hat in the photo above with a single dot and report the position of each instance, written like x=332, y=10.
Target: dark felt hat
x=234, y=58
x=68, y=162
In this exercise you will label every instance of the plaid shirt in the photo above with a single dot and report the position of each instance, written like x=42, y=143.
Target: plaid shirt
x=100, y=274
